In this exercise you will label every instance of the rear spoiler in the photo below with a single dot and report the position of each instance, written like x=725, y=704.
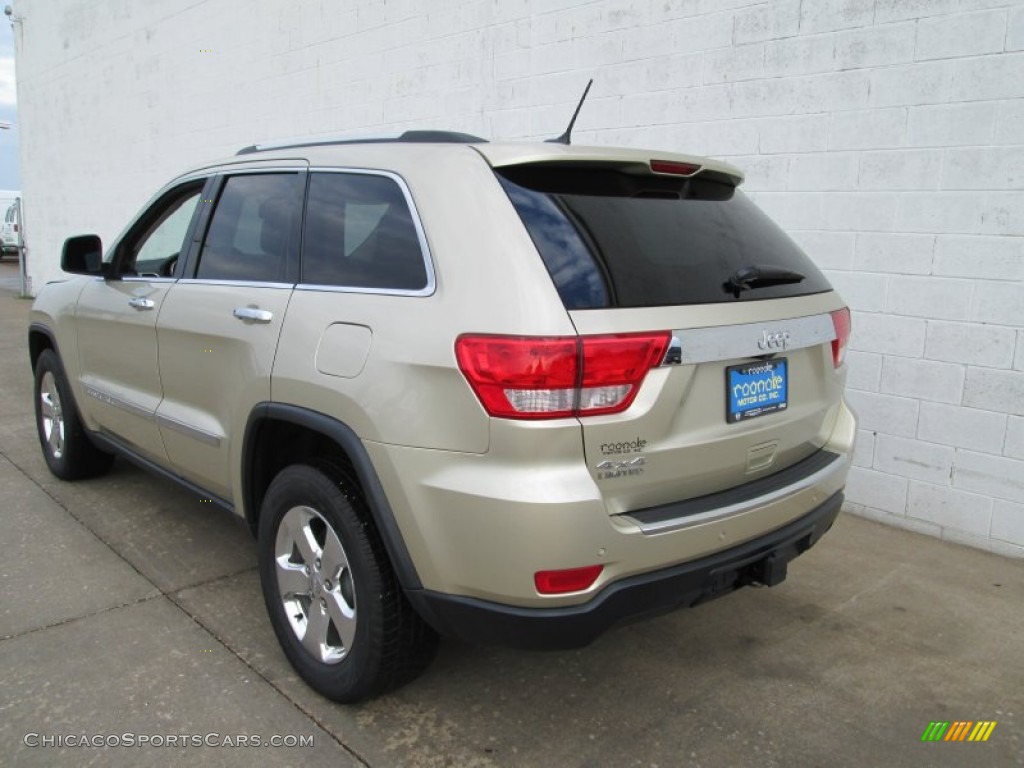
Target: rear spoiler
x=634, y=161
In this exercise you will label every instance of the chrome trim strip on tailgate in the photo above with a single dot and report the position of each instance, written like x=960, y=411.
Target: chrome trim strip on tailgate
x=816, y=468
x=727, y=342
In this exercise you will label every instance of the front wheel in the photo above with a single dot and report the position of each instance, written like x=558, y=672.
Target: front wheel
x=334, y=601
x=68, y=451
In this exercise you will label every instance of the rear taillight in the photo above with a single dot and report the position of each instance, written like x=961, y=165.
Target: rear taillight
x=524, y=377
x=521, y=377
x=841, y=322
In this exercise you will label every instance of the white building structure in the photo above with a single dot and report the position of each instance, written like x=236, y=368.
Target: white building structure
x=887, y=136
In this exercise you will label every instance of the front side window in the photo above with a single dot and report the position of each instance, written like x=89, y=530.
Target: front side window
x=254, y=229
x=360, y=234
x=154, y=247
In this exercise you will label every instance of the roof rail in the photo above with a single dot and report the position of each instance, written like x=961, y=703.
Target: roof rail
x=409, y=137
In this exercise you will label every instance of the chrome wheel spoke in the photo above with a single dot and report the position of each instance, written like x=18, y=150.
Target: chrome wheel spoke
x=342, y=615
x=47, y=405
x=333, y=559
x=291, y=579
x=302, y=535
x=314, y=639
x=56, y=441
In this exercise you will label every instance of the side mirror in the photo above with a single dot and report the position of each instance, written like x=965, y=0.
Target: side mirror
x=83, y=255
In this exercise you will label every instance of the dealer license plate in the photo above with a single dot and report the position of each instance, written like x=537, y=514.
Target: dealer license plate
x=756, y=389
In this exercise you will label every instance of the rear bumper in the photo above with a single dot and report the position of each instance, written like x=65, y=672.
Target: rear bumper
x=762, y=560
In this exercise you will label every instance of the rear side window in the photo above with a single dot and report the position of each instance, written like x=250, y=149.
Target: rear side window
x=359, y=233
x=253, y=229
x=616, y=239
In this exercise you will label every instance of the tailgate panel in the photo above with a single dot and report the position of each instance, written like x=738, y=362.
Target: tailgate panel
x=675, y=442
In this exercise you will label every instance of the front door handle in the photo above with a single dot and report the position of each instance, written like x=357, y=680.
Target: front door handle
x=139, y=303
x=253, y=314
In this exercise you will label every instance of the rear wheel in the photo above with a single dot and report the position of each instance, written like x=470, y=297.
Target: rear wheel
x=333, y=598
x=68, y=451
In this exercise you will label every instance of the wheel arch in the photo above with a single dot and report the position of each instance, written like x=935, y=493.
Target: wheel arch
x=279, y=434
x=40, y=338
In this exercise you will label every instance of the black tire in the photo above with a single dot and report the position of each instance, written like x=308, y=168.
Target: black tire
x=389, y=643
x=68, y=451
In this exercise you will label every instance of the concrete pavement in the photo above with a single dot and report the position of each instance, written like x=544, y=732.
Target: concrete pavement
x=129, y=607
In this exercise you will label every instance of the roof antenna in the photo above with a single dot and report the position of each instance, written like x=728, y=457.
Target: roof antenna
x=564, y=138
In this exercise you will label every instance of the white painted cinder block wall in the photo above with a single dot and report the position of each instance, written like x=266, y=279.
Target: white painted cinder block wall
x=886, y=135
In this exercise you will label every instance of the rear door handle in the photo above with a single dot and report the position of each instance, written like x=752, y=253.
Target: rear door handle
x=253, y=314
x=139, y=303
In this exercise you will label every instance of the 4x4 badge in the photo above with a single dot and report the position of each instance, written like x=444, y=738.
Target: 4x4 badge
x=609, y=468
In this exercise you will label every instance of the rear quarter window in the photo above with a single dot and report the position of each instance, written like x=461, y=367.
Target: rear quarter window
x=360, y=233
x=614, y=239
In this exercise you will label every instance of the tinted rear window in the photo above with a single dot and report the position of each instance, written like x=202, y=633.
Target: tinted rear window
x=612, y=239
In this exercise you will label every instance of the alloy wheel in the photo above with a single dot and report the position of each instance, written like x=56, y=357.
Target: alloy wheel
x=314, y=581
x=52, y=414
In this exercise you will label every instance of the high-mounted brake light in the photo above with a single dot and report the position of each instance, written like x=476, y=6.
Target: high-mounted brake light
x=841, y=322
x=568, y=580
x=674, y=168
x=550, y=377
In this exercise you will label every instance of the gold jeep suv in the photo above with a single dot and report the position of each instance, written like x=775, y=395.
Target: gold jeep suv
x=511, y=393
